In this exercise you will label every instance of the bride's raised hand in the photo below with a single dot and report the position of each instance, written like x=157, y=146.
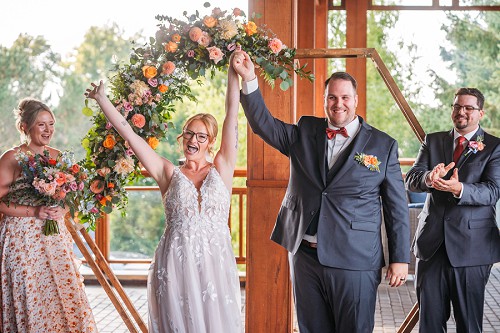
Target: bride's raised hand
x=96, y=91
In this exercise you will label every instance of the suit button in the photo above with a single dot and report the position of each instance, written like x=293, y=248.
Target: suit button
x=324, y=193
x=313, y=212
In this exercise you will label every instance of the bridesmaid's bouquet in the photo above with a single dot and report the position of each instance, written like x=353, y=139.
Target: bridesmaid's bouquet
x=49, y=182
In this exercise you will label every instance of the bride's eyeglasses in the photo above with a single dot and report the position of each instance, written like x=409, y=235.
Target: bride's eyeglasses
x=200, y=137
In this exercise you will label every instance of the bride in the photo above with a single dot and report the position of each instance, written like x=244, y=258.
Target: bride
x=193, y=283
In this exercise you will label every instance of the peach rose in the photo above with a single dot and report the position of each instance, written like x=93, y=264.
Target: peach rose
x=215, y=54
x=97, y=186
x=195, y=33
x=162, y=88
x=171, y=47
x=138, y=120
x=250, y=28
x=153, y=142
x=149, y=72
x=61, y=178
x=176, y=38
x=109, y=142
x=209, y=21
x=275, y=45
x=168, y=68
x=103, y=171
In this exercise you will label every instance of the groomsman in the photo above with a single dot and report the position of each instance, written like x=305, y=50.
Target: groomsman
x=457, y=239
x=342, y=173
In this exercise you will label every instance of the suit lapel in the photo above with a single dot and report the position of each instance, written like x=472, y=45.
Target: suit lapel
x=447, y=148
x=322, y=149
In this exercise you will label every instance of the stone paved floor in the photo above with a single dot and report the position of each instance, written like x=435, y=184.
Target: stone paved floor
x=392, y=307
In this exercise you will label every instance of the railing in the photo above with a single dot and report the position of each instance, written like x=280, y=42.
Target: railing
x=236, y=222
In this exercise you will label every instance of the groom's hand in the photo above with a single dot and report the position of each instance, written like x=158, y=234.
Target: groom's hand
x=243, y=65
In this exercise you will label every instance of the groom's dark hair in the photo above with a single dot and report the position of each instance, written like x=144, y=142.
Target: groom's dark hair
x=342, y=76
x=473, y=92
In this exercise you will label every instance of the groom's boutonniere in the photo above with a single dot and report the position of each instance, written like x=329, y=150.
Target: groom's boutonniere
x=475, y=146
x=369, y=161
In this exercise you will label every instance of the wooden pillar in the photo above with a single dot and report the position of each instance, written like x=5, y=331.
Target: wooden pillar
x=356, y=11
x=268, y=288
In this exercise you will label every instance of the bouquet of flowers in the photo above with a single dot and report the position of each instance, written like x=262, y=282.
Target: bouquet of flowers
x=49, y=182
x=158, y=74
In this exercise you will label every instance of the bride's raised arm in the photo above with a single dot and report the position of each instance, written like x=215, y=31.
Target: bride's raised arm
x=160, y=168
x=225, y=160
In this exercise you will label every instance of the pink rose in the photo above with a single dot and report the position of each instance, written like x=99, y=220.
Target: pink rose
x=215, y=54
x=205, y=39
x=275, y=45
x=190, y=53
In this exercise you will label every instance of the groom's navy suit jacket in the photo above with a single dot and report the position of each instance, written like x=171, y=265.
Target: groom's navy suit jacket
x=347, y=202
x=467, y=226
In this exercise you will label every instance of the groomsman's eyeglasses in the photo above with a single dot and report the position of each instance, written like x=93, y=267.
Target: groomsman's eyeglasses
x=467, y=108
x=201, y=137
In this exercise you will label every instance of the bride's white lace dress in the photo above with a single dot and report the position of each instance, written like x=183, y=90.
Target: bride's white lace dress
x=193, y=284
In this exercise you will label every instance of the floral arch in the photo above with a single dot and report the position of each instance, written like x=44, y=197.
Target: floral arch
x=158, y=74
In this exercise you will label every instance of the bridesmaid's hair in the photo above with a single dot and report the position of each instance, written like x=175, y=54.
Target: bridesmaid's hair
x=342, y=76
x=210, y=123
x=26, y=113
x=473, y=92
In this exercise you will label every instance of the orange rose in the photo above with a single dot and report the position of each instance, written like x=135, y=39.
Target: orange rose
x=162, y=88
x=176, y=38
x=111, y=185
x=250, y=28
x=153, y=142
x=195, y=33
x=149, y=72
x=104, y=200
x=171, y=47
x=75, y=168
x=209, y=21
x=97, y=186
x=61, y=179
x=138, y=120
x=168, y=68
x=109, y=142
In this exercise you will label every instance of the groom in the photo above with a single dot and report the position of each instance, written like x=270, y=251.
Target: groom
x=343, y=174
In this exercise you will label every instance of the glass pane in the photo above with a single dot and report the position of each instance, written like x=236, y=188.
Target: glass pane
x=136, y=235
x=402, y=2
x=445, y=2
x=479, y=2
x=336, y=37
x=337, y=3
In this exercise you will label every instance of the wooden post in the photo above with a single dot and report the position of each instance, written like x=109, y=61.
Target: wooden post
x=101, y=269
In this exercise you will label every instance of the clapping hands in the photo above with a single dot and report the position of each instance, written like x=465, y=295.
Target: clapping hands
x=435, y=178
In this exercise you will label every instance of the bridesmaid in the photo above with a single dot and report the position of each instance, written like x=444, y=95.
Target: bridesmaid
x=41, y=289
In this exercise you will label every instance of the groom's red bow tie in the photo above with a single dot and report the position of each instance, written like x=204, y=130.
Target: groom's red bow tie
x=331, y=133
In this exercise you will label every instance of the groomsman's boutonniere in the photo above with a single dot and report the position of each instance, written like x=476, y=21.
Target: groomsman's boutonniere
x=475, y=146
x=369, y=161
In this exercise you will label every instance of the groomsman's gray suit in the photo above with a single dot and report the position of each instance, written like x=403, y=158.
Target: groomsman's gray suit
x=347, y=203
x=453, y=233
